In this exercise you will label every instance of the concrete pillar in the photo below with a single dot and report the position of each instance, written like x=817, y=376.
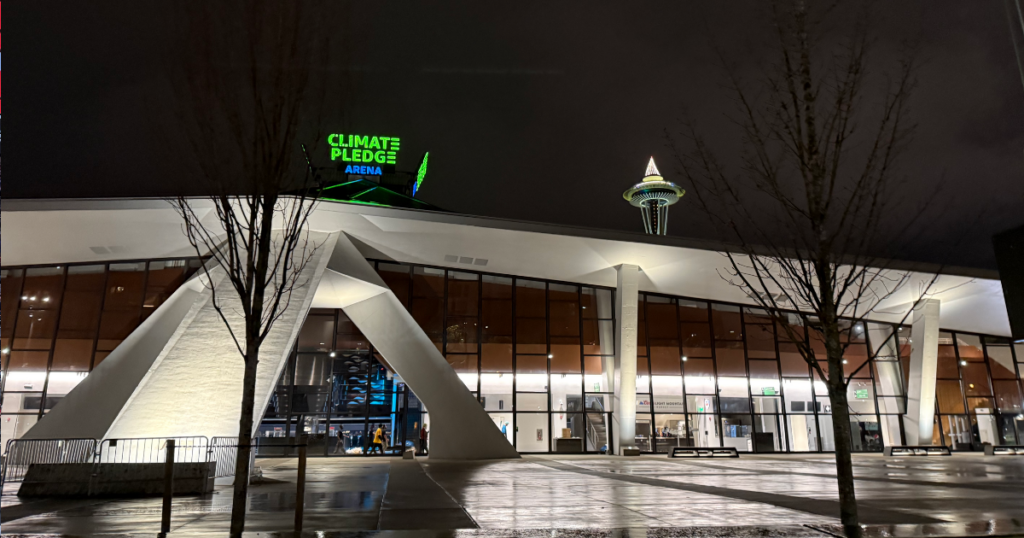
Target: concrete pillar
x=924, y=356
x=626, y=298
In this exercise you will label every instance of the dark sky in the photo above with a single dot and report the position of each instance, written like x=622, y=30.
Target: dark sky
x=542, y=111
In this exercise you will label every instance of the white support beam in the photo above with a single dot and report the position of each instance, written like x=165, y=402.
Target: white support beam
x=919, y=422
x=460, y=429
x=626, y=299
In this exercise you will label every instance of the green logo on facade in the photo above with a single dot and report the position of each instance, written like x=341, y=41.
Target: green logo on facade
x=364, y=149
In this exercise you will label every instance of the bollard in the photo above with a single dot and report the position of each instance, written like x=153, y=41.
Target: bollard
x=300, y=493
x=165, y=516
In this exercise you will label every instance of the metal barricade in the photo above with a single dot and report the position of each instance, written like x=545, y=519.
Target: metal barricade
x=151, y=450
x=21, y=453
x=224, y=451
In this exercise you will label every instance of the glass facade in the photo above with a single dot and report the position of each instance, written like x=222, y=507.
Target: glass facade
x=59, y=322
x=978, y=392
x=539, y=357
x=339, y=392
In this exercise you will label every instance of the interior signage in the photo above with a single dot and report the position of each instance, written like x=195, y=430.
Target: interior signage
x=364, y=154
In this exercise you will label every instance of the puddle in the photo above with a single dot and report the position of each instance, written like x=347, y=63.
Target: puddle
x=285, y=501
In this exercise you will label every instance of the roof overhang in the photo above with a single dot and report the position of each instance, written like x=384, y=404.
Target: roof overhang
x=70, y=231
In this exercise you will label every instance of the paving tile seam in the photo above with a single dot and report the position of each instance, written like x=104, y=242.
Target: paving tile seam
x=799, y=504
x=969, y=485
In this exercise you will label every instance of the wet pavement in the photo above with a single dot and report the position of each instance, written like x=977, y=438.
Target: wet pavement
x=552, y=496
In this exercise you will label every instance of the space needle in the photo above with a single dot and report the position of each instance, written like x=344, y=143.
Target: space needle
x=653, y=195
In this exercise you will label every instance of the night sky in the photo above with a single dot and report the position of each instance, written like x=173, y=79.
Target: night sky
x=540, y=111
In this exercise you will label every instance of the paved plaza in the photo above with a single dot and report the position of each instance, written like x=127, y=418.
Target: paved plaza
x=786, y=495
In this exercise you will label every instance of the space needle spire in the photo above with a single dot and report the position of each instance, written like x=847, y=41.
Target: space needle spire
x=653, y=195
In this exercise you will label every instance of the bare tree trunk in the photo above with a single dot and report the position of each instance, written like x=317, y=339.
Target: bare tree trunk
x=836, y=384
x=245, y=422
x=844, y=453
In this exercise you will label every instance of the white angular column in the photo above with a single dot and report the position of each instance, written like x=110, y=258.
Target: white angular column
x=919, y=422
x=626, y=298
x=460, y=429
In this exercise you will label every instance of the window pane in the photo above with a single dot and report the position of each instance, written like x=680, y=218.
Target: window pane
x=531, y=335
x=567, y=392
x=463, y=294
x=798, y=395
x=736, y=432
x=122, y=304
x=764, y=378
x=28, y=361
x=165, y=277
x=462, y=334
x=1001, y=361
x=726, y=320
x=693, y=311
x=733, y=397
x=661, y=319
x=793, y=363
x=696, y=339
x=700, y=376
x=497, y=315
x=531, y=373
x=975, y=376
x=496, y=392
x=665, y=358
x=564, y=308
x=35, y=329
x=1008, y=396
x=599, y=372
x=532, y=432
x=497, y=358
x=861, y=396
x=531, y=401
x=428, y=301
x=666, y=385
x=42, y=288
x=80, y=311
x=769, y=434
x=802, y=433
x=951, y=400
x=969, y=347
x=887, y=378
x=729, y=357
x=760, y=341
x=598, y=337
x=565, y=355
x=398, y=278
x=317, y=334
x=854, y=358
x=947, y=367
x=705, y=430
x=530, y=302
x=597, y=304
x=670, y=431
x=10, y=287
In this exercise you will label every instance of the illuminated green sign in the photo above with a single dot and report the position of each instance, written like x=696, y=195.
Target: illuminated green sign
x=861, y=394
x=364, y=154
x=421, y=174
x=768, y=391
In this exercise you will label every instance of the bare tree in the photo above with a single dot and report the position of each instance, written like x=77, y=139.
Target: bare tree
x=810, y=205
x=251, y=82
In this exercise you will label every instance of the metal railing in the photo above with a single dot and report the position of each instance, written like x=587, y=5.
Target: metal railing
x=151, y=450
x=21, y=453
x=224, y=451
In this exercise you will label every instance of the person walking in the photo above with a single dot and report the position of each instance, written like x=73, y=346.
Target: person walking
x=378, y=440
x=423, y=440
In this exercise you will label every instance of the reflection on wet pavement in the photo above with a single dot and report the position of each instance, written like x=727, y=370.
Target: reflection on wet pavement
x=792, y=495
